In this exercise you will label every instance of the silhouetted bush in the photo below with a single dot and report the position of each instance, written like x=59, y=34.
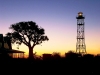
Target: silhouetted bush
x=51, y=62
x=72, y=55
x=56, y=55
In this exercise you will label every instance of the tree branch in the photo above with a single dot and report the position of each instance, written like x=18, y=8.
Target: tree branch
x=25, y=42
x=33, y=45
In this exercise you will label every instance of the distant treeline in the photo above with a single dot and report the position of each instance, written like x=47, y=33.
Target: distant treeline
x=72, y=63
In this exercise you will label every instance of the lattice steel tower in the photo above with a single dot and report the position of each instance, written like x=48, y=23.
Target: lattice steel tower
x=80, y=45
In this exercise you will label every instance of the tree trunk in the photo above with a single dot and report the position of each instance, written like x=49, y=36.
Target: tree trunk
x=30, y=53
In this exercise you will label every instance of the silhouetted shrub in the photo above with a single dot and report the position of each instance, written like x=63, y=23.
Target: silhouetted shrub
x=88, y=56
x=71, y=55
x=56, y=55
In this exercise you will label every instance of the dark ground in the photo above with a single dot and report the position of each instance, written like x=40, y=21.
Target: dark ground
x=87, y=65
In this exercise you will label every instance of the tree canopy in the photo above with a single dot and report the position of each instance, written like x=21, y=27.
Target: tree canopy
x=28, y=33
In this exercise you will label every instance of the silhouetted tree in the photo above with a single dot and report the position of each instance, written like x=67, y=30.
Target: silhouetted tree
x=56, y=55
x=88, y=56
x=28, y=33
x=72, y=54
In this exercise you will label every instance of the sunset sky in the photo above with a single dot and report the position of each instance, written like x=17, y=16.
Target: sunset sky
x=58, y=18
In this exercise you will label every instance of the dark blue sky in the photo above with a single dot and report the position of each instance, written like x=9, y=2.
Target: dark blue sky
x=58, y=17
